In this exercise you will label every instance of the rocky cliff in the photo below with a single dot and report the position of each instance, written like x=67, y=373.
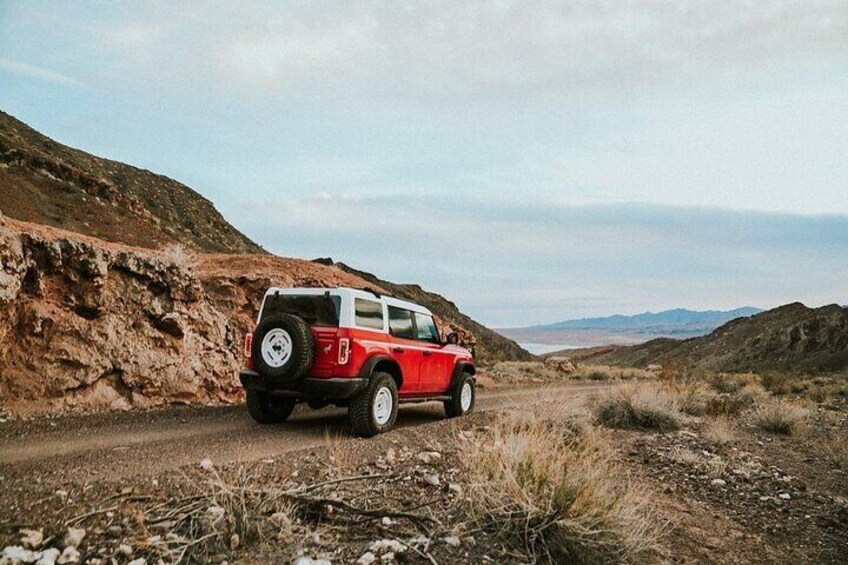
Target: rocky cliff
x=90, y=325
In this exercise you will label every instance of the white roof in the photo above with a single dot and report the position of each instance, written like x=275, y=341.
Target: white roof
x=351, y=293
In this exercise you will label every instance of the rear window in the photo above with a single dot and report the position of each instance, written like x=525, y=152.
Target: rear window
x=369, y=314
x=316, y=310
x=400, y=323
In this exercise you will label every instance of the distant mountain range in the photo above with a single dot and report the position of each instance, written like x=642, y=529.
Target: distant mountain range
x=622, y=330
x=790, y=338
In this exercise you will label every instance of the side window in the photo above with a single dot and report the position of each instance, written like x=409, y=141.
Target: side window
x=400, y=323
x=369, y=314
x=426, y=328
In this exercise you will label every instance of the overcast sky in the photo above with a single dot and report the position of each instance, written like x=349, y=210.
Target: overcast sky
x=532, y=162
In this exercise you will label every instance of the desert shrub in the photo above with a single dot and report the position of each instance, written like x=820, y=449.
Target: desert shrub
x=835, y=448
x=606, y=373
x=781, y=417
x=692, y=397
x=525, y=371
x=720, y=430
x=726, y=405
x=641, y=407
x=596, y=373
x=178, y=256
x=724, y=383
x=775, y=382
x=554, y=491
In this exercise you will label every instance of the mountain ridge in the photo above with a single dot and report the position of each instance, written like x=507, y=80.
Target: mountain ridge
x=626, y=330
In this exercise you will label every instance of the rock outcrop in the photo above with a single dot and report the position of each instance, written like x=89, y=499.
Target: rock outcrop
x=90, y=325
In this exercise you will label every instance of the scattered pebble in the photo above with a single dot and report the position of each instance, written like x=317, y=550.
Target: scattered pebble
x=784, y=496
x=718, y=482
x=69, y=555
x=235, y=541
x=139, y=561
x=387, y=521
x=74, y=536
x=453, y=541
x=207, y=465
x=31, y=539
x=428, y=457
x=432, y=480
x=367, y=558
x=124, y=549
x=49, y=556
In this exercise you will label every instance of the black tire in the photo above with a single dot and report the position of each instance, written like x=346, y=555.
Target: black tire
x=268, y=409
x=302, y=348
x=453, y=407
x=361, y=408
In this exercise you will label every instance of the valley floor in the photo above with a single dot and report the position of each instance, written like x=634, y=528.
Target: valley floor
x=307, y=489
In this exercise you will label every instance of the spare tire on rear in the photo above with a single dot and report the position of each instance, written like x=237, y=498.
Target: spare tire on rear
x=283, y=348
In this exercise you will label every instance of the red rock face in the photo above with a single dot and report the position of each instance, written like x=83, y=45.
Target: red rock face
x=90, y=325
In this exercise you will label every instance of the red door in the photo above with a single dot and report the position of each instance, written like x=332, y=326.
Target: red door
x=408, y=356
x=436, y=363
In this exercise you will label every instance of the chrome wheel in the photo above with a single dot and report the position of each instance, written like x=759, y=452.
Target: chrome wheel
x=383, y=403
x=276, y=348
x=465, y=396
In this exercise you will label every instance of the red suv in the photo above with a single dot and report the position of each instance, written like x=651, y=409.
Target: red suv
x=352, y=348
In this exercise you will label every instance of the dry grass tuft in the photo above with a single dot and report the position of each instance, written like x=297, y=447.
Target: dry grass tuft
x=179, y=256
x=835, y=448
x=642, y=407
x=781, y=417
x=553, y=489
x=720, y=430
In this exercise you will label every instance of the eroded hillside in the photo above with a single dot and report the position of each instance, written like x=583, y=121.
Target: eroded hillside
x=90, y=325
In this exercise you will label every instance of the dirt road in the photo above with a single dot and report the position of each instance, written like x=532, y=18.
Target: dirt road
x=120, y=445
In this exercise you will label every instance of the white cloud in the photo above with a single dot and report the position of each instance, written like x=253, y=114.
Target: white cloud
x=32, y=71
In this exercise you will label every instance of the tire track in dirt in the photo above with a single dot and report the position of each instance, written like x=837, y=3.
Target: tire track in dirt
x=140, y=443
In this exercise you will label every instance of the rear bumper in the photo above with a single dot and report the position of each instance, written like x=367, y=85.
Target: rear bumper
x=307, y=388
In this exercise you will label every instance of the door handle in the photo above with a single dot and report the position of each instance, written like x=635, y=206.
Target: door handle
x=398, y=350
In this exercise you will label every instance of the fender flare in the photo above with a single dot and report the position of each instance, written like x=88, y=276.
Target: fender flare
x=369, y=365
x=461, y=367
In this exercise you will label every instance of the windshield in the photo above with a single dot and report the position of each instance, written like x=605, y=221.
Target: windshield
x=316, y=310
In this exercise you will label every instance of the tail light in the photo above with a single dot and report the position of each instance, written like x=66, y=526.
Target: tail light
x=344, y=351
x=248, y=344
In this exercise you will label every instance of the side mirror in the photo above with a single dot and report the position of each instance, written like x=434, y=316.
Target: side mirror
x=453, y=338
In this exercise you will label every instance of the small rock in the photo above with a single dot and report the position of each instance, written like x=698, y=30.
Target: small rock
x=453, y=541
x=785, y=496
x=387, y=521
x=387, y=545
x=428, y=457
x=114, y=531
x=207, y=465
x=124, y=549
x=49, y=556
x=718, y=482
x=235, y=541
x=17, y=554
x=69, y=555
x=388, y=557
x=74, y=536
x=31, y=539
x=367, y=558
x=432, y=480
x=390, y=456
x=216, y=513
x=139, y=561
x=280, y=519
x=455, y=488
